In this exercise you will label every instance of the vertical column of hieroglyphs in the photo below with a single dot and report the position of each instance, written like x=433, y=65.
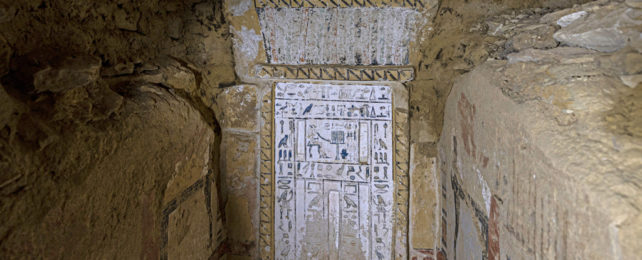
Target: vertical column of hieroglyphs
x=284, y=153
x=382, y=187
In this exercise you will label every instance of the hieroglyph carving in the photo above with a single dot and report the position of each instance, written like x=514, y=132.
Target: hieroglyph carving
x=339, y=36
x=334, y=184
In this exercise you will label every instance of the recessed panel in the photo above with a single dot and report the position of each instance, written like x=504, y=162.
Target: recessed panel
x=334, y=184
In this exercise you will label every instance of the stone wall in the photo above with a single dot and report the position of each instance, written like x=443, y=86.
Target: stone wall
x=447, y=41
x=239, y=117
x=110, y=143
x=122, y=33
x=89, y=172
x=143, y=128
x=539, y=156
x=456, y=40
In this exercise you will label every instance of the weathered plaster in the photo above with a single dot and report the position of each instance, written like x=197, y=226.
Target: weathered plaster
x=246, y=48
x=347, y=36
x=239, y=108
x=423, y=200
x=239, y=7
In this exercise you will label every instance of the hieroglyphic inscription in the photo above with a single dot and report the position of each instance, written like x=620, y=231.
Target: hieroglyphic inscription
x=334, y=182
x=338, y=36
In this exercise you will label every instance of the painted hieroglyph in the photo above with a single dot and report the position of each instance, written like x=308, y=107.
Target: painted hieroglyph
x=333, y=195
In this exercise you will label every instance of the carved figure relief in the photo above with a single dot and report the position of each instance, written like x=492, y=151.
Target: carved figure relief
x=334, y=183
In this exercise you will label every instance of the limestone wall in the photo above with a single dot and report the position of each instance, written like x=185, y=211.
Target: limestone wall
x=130, y=177
x=239, y=149
x=540, y=153
x=122, y=33
x=282, y=41
x=143, y=129
x=109, y=141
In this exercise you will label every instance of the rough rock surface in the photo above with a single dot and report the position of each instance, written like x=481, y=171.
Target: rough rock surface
x=122, y=31
x=239, y=121
x=128, y=37
x=608, y=29
x=462, y=35
x=109, y=145
x=85, y=171
x=542, y=151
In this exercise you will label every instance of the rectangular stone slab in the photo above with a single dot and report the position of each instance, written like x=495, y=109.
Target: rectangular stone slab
x=334, y=184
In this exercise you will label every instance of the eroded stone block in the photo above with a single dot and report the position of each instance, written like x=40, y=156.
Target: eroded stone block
x=239, y=175
x=423, y=200
x=607, y=29
x=533, y=186
x=70, y=73
x=238, y=107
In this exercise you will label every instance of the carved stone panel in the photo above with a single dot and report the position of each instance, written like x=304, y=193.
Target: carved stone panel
x=334, y=184
x=347, y=36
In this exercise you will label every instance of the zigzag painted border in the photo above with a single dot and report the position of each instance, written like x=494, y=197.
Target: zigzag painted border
x=402, y=185
x=416, y=4
x=266, y=181
x=371, y=73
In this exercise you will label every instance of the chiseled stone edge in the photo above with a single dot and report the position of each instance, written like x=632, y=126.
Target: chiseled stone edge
x=415, y=4
x=266, y=181
x=401, y=173
x=329, y=72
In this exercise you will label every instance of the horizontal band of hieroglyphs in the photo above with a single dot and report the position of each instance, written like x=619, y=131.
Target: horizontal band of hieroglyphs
x=339, y=3
x=403, y=74
x=334, y=110
x=336, y=171
x=300, y=91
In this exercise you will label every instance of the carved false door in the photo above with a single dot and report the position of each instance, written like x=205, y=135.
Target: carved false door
x=333, y=164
